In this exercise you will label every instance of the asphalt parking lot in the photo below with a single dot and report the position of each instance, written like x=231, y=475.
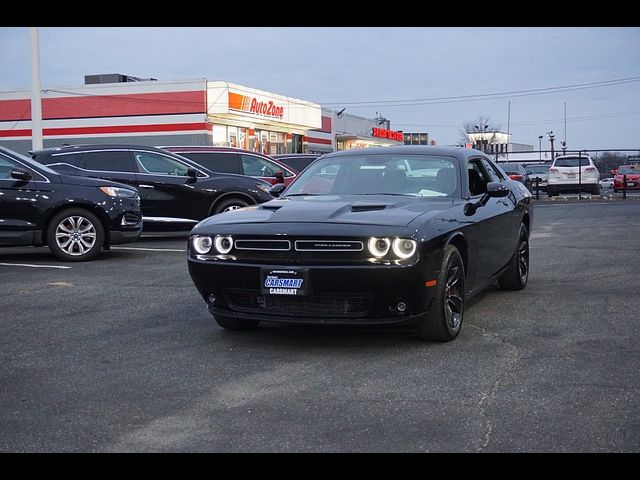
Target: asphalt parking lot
x=120, y=354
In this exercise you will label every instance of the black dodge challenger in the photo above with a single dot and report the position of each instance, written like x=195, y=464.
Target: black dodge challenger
x=368, y=236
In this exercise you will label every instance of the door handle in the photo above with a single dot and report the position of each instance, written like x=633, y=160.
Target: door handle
x=146, y=186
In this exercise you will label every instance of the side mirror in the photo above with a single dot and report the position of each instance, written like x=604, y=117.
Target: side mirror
x=277, y=189
x=192, y=172
x=279, y=176
x=497, y=190
x=19, y=174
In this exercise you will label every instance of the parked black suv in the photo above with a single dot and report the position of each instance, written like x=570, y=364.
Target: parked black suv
x=74, y=216
x=176, y=193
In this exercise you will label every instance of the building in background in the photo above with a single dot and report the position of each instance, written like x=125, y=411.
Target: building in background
x=421, y=138
x=496, y=143
x=149, y=112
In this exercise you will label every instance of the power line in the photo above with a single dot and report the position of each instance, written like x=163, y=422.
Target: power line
x=482, y=96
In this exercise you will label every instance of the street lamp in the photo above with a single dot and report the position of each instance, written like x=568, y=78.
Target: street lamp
x=540, y=145
x=552, y=137
x=482, y=141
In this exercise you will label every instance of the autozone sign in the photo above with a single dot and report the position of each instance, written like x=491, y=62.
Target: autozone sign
x=255, y=105
x=390, y=134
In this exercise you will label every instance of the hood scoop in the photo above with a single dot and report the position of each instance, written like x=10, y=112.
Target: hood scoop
x=271, y=208
x=368, y=207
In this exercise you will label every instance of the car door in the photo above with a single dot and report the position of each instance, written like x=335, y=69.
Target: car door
x=21, y=203
x=491, y=228
x=167, y=192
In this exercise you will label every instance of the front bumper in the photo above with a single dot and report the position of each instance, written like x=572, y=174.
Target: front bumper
x=337, y=294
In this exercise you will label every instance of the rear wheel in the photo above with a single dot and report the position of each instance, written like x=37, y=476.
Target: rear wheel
x=595, y=190
x=235, y=324
x=444, y=319
x=75, y=235
x=517, y=274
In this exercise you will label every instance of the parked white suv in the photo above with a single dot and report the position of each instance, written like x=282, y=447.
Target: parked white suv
x=572, y=173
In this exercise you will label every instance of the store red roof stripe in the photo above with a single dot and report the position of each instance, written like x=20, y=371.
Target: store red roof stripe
x=317, y=140
x=171, y=127
x=162, y=103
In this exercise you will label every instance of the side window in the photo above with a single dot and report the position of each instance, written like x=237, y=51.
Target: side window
x=260, y=167
x=5, y=167
x=493, y=172
x=478, y=177
x=107, y=161
x=149, y=162
x=70, y=158
x=216, y=162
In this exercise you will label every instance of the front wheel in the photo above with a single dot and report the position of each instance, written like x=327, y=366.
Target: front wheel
x=517, y=274
x=75, y=235
x=229, y=204
x=235, y=324
x=444, y=318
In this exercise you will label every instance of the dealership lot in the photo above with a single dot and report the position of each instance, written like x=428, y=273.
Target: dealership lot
x=120, y=354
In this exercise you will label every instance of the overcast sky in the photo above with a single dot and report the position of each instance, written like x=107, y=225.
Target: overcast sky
x=342, y=66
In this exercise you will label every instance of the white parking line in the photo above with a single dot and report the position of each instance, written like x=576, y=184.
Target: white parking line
x=33, y=266
x=149, y=249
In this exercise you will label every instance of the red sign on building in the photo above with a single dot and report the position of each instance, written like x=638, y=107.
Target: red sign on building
x=390, y=134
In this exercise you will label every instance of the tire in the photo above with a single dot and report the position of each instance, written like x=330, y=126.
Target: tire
x=229, y=204
x=517, y=274
x=551, y=192
x=595, y=190
x=75, y=235
x=444, y=318
x=229, y=323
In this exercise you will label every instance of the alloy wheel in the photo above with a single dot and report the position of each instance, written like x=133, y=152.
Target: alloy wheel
x=453, y=296
x=76, y=235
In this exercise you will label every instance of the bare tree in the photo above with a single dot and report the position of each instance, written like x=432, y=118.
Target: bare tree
x=482, y=124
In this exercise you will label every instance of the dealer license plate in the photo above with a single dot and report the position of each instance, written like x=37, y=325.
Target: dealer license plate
x=571, y=175
x=284, y=281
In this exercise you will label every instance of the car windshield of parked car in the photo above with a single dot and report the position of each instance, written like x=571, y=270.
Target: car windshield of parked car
x=571, y=162
x=415, y=175
x=628, y=171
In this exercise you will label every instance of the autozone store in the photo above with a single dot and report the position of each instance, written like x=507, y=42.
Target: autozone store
x=161, y=113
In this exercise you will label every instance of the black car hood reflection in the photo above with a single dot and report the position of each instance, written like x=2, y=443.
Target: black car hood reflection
x=389, y=210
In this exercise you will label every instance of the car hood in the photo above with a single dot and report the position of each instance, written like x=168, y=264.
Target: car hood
x=388, y=210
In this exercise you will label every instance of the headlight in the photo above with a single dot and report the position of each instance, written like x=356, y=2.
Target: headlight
x=223, y=244
x=379, y=246
x=404, y=248
x=201, y=245
x=263, y=187
x=118, y=192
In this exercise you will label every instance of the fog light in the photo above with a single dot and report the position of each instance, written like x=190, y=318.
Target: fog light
x=401, y=307
x=212, y=299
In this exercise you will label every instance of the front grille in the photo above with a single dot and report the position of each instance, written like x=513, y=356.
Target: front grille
x=328, y=246
x=319, y=305
x=265, y=245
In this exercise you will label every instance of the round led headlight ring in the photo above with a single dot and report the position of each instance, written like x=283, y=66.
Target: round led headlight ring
x=404, y=248
x=201, y=245
x=223, y=244
x=379, y=247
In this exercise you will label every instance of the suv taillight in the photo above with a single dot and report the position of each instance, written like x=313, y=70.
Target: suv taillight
x=554, y=170
x=590, y=169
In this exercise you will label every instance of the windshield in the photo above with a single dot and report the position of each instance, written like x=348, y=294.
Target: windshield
x=390, y=174
x=571, y=162
x=28, y=162
x=539, y=169
x=628, y=170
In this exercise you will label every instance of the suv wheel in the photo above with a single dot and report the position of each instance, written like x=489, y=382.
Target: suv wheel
x=229, y=204
x=75, y=235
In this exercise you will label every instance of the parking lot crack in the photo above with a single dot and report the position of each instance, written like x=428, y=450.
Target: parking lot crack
x=490, y=394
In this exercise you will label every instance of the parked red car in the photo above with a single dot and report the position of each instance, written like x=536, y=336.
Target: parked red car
x=632, y=173
x=237, y=160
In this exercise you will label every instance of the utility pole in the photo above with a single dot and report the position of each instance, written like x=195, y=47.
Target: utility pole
x=36, y=102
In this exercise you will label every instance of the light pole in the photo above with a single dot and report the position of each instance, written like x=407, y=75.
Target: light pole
x=552, y=137
x=482, y=130
x=540, y=146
